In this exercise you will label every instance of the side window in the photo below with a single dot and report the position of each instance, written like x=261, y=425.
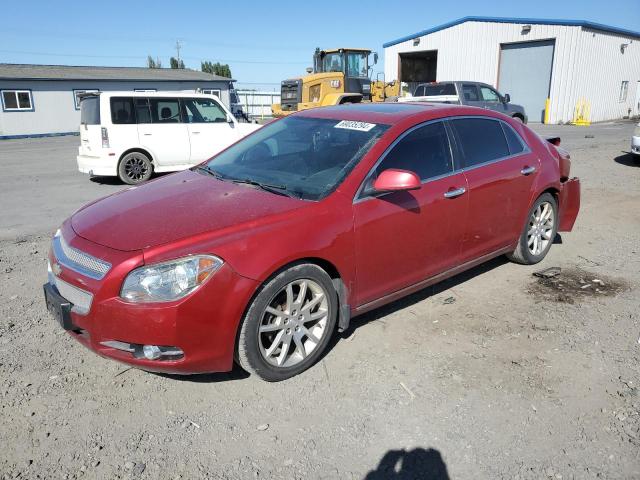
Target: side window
x=424, y=151
x=419, y=91
x=122, y=111
x=203, y=110
x=143, y=114
x=489, y=94
x=164, y=110
x=516, y=144
x=482, y=140
x=470, y=92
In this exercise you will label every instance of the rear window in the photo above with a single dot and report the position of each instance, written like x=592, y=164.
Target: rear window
x=439, y=89
x=90, y=110
x=482, y=140
x=122, y=110
x=516, y=144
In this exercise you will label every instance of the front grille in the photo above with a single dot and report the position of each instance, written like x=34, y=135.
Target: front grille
x=80, y=299
x=78, y=261
x=290, y=94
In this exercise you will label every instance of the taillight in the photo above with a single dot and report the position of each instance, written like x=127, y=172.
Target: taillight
x=105, y=137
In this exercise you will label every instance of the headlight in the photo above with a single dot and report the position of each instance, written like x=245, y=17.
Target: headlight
x=165, y=282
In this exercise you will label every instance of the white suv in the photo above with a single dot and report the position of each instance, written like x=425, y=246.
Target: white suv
x=635, y=141
x=133, y=134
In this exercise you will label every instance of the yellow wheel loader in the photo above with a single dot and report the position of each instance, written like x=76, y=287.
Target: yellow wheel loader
x=338, y=76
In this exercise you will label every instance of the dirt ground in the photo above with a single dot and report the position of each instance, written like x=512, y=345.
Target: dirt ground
x=493, y=374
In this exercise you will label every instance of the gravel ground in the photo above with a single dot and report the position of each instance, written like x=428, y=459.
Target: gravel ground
x=492, y=374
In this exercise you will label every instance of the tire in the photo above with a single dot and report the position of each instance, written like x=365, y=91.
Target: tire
x=519, y=118
x=264, y=334
x=537, y=235
x=135, y=168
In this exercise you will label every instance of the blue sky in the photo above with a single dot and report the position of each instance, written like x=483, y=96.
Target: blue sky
x=263, y=42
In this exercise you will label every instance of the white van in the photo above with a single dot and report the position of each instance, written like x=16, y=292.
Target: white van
x=133, y=134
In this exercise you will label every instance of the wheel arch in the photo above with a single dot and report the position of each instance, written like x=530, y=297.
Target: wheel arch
x=519, y=116
x=139, y=150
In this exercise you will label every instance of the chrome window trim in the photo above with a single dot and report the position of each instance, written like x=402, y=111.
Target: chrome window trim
x=63, y=253
x=526, y=150
x=358, y=198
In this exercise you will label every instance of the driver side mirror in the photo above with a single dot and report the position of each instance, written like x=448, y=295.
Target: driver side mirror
x=395, y=180
x=506, y=98
x=375, y=57
x=230, y=118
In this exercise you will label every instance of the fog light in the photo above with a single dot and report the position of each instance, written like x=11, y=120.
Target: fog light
x=151, y=352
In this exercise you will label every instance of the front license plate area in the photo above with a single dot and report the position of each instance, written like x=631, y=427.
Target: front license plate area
x=58, y=306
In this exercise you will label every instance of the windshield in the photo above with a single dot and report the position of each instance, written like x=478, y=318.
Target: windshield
x=332, y=62
x=299, y=156
x=357, y=64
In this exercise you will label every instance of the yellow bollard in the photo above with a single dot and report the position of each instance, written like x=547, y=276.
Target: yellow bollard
x=546, y=111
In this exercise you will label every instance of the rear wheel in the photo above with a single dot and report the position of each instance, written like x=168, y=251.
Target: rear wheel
x=539, y=231
x=288, y=324
x=134, y=168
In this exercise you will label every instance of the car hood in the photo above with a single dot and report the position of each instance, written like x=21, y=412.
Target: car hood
x=174, y=207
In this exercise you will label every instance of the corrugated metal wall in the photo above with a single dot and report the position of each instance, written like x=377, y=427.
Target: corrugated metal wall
x=54, y=107
x=586, y=64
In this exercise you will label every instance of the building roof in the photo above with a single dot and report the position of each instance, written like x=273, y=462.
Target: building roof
x=534, y=21
x=68, y=72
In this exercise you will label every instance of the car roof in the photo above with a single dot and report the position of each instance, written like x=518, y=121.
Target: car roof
x=391, y=113
x=162, y=93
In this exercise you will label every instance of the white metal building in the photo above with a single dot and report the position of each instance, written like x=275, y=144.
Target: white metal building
x=577, y=65
x=40, y=100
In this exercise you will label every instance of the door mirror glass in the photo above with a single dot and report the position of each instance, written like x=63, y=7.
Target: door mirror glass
x=394, y=180
x=507, y=98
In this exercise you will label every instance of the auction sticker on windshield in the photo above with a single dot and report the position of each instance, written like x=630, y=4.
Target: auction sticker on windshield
x=352, y=125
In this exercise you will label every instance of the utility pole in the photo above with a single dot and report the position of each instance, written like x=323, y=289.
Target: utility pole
x=178, y=47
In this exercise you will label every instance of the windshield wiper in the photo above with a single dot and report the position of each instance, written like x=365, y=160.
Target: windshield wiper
x=211, y=172
x=268, y=187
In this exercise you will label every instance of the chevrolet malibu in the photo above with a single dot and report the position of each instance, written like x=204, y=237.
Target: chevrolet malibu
x=262, y=252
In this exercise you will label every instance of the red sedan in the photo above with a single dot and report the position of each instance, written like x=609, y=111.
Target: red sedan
x=262, y=252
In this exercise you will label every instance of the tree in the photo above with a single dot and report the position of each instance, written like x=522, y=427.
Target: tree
x=216, y=68
x=151, y=63
x=175, y=63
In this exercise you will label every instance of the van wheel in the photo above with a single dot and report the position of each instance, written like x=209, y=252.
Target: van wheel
x=538, y=233
x=134, y=168
x=288, y=324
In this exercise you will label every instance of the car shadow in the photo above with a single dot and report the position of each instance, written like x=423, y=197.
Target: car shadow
x=628, y=159
x=416, y=464
x=417, y=297
x=237, y=373
x=116, y=181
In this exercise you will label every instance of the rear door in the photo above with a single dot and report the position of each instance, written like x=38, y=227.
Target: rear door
x=162, y=131
x=90, y=126
x=402, y=238
x=500, y=171
x=209, y=131
x=470, y=95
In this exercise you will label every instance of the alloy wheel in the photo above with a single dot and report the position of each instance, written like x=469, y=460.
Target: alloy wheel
x=293, y=323
x=136, y=168
x=541, y=224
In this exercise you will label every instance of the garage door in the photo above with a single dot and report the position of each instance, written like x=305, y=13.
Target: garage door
x=525, y=74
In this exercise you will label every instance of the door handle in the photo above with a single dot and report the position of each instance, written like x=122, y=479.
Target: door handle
x=455, y=193
x=527, y=170
x=195, y=133
x=147, y=134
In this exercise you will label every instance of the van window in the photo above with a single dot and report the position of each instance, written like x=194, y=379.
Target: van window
x=90, y=110
x=482, y=140
x=122, y=110
x=203, y=110
x=165, y=110
x=143, y=114
x=424, y=151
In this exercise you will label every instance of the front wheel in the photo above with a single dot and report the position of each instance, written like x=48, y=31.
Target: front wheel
x=134, y=168
x=539, y=231
x=288, y=324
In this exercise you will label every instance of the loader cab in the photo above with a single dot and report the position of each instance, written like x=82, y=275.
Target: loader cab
x=353, y=63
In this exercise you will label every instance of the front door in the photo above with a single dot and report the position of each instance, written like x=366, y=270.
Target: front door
x=209, y=131
x=402, y=238
x=162, y=132
x=492, y=100
x=500, y=172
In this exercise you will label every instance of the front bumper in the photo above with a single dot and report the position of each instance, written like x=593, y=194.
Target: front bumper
x=103, y=164
x=203, y=325
x=635, y=145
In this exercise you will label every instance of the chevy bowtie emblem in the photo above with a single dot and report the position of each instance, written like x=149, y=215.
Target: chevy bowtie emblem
x=56, y=269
